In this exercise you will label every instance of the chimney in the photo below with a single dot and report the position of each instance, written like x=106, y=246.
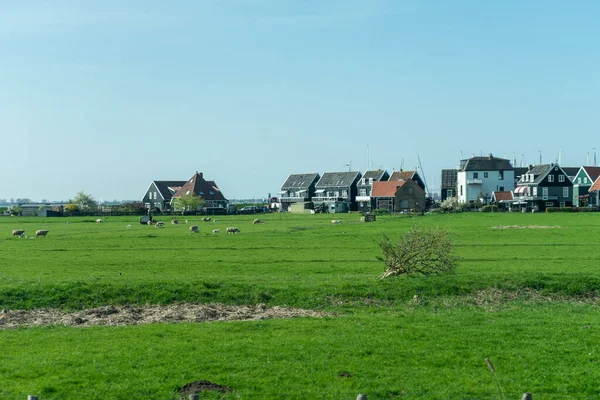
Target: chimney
x=199, y=173
x=490, y=156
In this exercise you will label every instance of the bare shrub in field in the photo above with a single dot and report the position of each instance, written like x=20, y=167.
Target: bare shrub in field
x=420, y=251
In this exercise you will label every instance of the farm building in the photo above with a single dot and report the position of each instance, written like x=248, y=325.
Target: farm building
x=397, y=196
x=582, y=182
x=546, y=185
x=448, y=184
x=208, y=190
x=336, y=191
x=365, y=188
x=159, y=194
x=297, y=188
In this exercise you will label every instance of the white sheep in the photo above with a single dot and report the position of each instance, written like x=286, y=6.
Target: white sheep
x=215, y=231
x=194, y=228
x=99, y=221
x=19, y=232
x=160, y=224
x=41, y=232
x=233, y=229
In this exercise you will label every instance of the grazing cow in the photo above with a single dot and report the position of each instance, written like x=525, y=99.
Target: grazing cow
x=19, y=232
x=99, y=221
x=41, y=232
x=194, y=228
x=233, y=229
x=160, y=224
x=258, y=221
x=215, y=231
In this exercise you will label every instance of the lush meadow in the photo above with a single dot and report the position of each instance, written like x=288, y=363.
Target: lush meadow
x=525, y=298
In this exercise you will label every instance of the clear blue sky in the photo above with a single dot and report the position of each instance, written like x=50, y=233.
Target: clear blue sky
x=106, y=96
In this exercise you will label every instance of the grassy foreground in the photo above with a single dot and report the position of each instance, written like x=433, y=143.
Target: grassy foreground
x=525, y=298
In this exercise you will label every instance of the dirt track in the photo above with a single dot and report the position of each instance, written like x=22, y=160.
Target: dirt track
x=128, y=315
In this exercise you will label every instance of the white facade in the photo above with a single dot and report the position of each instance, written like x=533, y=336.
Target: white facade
x=474, y=185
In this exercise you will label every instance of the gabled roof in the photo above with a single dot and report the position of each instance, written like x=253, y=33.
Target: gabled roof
x=376, y=174
x=386, y=188
x=299, y=181
x=541, y=171
x=168, y=188
x=449, y=178
x=571, y=172
x=592, y=172
x=402, y=175
x=489, y=163
x=337, y=179
x=499, y=196
x=200, y=187
x=596, y=186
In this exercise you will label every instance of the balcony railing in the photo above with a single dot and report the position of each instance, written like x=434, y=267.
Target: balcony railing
x=474, y=182
x=363, y=198
x=328, y=198
x=293, y=199
x=536, y=198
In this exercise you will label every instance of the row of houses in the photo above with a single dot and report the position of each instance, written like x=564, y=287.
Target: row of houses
x=494, y=180
x=337, y=192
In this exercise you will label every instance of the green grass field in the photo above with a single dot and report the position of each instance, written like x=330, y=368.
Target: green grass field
x=525, y=298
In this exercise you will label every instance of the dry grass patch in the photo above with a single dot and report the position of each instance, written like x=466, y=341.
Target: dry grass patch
x=128, y=315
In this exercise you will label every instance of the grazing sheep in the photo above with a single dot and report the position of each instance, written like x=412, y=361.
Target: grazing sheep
x=128, y=226
x=99, y=221
x=160, y=224
x=336, y=221
x=215, y=220
x=194, y=228
x=233, y=229
x=174, y=222
x=206, y=219
x=19, y=232
x=258, y=221
x=149, y=222
x=215, y=231
x=186, y=221
x=41, y=232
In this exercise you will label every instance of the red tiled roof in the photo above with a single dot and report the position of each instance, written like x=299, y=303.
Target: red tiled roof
x=386, y=188
x=503, y=196
x=198, y=186
x=593, y=172
x=596, y=186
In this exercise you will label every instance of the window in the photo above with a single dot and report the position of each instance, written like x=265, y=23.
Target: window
x=461, y=190
x=344, y=193
x=501, y=175
x=211, y=192
x=502, y=188
x=475, y=175
x=578, y=180
x=485, y=174
x=201, y=193
x=584, y=180
x=362, y=192
x=561, y=178
x=550, y=178
x=410, y=190
x=549, y=203
x=545, y=192
x=565, y=192
x=562, y=203
x=535, y=190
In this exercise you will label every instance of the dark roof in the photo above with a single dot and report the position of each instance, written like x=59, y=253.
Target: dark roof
x=592, y=172
x=168, y=188
x=540, y=171
x=376, y=174
x=299, y=181
x=571, y=171
x=520, y=171
x=449, y=178
x=200, y=187
x=402, y=175
x=338, y=179
x=489, y=163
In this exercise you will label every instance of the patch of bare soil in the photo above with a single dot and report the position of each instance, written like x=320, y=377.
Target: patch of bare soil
x=199, y=386
x=128, y=315
x=526, y=227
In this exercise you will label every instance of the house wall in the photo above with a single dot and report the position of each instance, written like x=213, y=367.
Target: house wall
x=581, y=185
x=409, y=196
x=473, y=187
x=154, y=198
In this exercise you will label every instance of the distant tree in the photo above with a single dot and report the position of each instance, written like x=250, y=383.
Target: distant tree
x=84, y=200
x=420, y=251
x=136, y=207
x=71, y=208
x=188, y=202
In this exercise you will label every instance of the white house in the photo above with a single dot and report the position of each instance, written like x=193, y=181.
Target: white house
x=478, y=177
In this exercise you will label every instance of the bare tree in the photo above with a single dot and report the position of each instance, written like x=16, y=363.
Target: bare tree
x=420, y=251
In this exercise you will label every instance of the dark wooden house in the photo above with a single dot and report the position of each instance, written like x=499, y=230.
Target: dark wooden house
x=336, y=191
x=448, y=189
x=159, y=194
x=406, y=175
x=298, y=188
x=545, y=185
x=365, y=187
